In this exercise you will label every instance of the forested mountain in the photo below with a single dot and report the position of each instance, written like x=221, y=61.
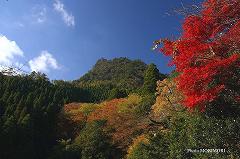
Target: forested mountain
x=110, y=79
x=119, y=72
x=125, y=109
x=32, y=114
x=29, y=106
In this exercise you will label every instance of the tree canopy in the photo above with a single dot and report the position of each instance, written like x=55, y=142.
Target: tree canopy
x=207, y=55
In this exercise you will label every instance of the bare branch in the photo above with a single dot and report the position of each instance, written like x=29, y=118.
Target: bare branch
x=12, y=70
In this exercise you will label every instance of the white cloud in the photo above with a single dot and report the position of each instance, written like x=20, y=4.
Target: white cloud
x=8, y=51
x=39, y=14
x=43, y=63
x=19, y=24
x=67, y=18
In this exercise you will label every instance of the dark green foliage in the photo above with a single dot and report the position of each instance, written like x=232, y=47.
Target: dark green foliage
x=117, y=93
x=194, y=132
x=140, y=151
x=91, y=143
x=28, y=109
x=151, y=76
x=96, y=91
x=71, y=93
x=201, y=132
x=110, y=79
x=64, y=150
x=146, y=104
x=148, y=90
x=121, y=72
x=157, y=148
x=92, y=92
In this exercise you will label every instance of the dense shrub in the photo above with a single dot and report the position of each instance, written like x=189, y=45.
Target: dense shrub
x=91, y=143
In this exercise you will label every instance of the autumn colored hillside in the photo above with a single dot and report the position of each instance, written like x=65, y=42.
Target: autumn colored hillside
x=125, y=109
x=122, y=120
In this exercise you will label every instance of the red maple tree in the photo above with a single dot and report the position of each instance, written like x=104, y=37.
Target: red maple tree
x=207, y=54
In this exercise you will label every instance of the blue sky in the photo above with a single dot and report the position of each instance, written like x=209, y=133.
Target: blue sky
x=64, y=38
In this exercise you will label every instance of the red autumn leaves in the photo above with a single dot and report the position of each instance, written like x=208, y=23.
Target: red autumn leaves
x=207, y=53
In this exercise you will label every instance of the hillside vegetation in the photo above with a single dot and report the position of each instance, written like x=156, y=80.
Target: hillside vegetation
x=120, y=72
x=109, y=79
x=124, y=109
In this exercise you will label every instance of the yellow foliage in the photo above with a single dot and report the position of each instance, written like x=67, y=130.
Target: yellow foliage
x=168, y=99
x=120, y=115
x=85, y=108
x=130, y=104
x=142, y=139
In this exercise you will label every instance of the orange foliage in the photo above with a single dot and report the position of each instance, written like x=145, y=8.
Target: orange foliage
x=77, y=116
x=122, y=122
x=125, y=125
